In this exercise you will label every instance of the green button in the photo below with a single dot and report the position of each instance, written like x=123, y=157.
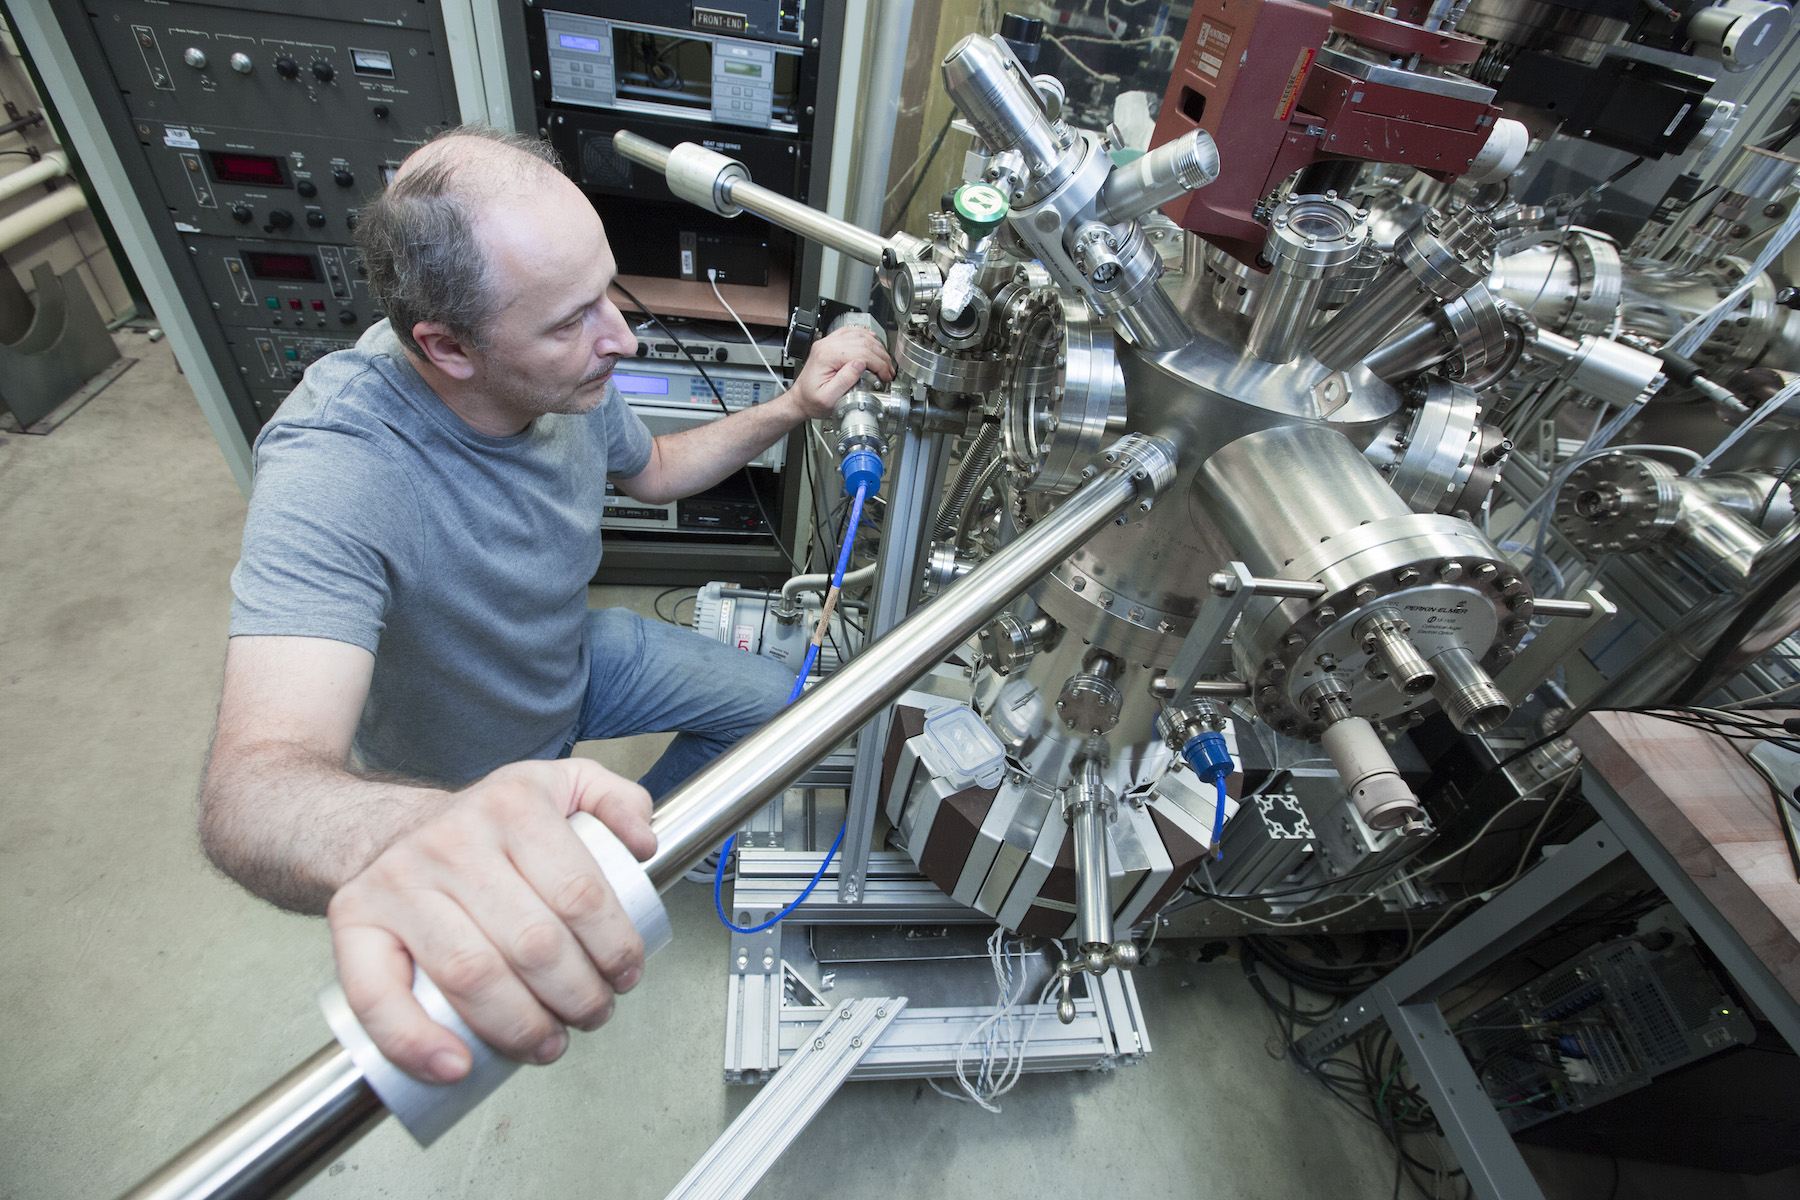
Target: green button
x=272, y=302
x=980, y=207
x=293, y=354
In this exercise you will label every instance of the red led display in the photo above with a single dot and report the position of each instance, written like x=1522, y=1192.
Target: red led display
x=257, y=169
x=302, y=267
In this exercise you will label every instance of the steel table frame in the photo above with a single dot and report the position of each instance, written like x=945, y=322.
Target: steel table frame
x=1408, y=997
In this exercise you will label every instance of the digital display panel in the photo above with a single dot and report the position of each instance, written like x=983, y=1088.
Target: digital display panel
x=641, y=385
x=744, y=68
x=257, y=169
x=301, y=267
x=570, y=41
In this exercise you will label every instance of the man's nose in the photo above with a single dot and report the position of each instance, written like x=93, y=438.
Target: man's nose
x=615, y=338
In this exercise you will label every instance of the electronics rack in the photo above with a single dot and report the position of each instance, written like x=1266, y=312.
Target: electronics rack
x=723, y=529
x=1602, y=1024
x=752, y=79
x=247, y=135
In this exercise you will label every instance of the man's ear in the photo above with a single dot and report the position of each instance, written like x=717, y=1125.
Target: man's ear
x=443, y=351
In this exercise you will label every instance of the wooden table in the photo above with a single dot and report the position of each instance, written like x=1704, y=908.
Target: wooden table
x=1711, y=817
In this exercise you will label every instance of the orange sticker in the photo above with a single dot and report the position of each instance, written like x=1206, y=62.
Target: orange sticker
x=1290, y=95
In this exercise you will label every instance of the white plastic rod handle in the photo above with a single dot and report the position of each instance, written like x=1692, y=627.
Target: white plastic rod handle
x=428, y=1109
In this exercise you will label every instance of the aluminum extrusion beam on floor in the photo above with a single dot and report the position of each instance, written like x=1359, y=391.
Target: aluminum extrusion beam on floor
x=893, y=891
x=769, y=1124
x=764, y=1029
x=253, y=1152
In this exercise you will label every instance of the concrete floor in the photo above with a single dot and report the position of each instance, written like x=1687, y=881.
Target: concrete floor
x=143, y=996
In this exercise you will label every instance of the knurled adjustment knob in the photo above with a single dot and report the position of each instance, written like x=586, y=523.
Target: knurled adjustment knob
x=287, y=68
x=803, y=328
x=979, y=208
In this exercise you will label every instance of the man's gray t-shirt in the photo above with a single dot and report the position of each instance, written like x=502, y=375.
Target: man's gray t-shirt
x=461, y=561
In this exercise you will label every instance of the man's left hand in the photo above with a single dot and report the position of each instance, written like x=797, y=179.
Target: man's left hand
x=835, y=365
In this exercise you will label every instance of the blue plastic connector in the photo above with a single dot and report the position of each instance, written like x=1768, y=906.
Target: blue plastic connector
x=862, y=469
x=1208, y=755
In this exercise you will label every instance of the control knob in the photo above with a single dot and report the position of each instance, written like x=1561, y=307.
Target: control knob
x=323, y=70
x=315, y=218
x=279, y=218
x=287, y=68
x=343, y=177
x=240, y=62
x=242, y=213
x=306, y=187
x=346, y=317
x=194, y=57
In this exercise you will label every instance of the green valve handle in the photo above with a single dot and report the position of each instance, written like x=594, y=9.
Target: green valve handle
x=980, y=208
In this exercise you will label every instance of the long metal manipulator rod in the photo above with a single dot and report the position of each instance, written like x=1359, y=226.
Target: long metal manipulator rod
x=311, y=1115
x=722, y=185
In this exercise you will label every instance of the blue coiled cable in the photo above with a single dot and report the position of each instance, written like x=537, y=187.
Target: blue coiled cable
x=806, y=666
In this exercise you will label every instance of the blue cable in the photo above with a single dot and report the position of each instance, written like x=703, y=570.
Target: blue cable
x=1219, y=820
x=812, y=655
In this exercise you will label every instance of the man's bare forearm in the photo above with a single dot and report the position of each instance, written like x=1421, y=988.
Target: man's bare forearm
x=293, y=827
x=695, y=459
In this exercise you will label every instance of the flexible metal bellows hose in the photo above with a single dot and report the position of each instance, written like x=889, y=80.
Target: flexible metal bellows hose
x=980, y=451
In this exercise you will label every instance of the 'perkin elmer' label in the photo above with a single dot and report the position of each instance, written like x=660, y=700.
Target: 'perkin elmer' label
x=724, y=22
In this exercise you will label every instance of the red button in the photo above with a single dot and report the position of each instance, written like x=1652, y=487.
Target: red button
x=318, y=306
x=294, y=304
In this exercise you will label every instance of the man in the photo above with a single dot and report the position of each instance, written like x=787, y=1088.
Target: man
x=412, y=657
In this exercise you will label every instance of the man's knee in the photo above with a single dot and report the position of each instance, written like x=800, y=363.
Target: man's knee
x=767, y=685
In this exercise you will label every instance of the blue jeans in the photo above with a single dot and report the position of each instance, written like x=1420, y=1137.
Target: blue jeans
x=648, y=676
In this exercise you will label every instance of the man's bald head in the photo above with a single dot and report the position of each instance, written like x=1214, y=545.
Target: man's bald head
x=421, y=239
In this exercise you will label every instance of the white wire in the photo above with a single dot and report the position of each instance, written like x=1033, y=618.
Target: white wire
x=1780, y=691
x=1693, y=455
x=1099, y=75
x=712, y=278
x=1770, y=406
x=1008, y=1050
x=1517, y=871
x=1693, y=335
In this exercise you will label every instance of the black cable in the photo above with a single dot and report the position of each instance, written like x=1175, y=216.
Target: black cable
x=749, y=479
x=1774, y=490
x=656, y=604
x=1761, y=601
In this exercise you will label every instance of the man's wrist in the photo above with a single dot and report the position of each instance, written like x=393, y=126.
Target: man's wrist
x=790, y=407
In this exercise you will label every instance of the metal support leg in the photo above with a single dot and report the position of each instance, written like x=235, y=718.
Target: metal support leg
x=1760, y=986
x=1483, y=1147
x=1407, y=999
x=908, y=519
